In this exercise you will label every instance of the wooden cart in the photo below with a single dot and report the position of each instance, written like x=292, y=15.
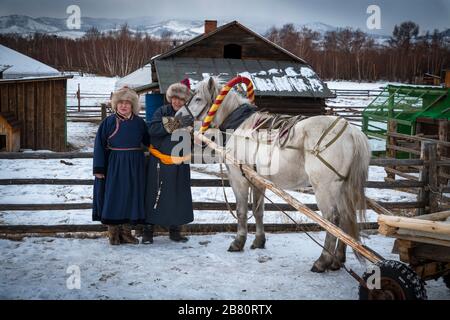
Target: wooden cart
x=423, y=242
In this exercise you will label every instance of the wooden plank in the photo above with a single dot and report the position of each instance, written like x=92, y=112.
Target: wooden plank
x=422, y=239
x=189, y=228
x=29, y=141
x=398, y=148
x=402, y=174
x=212, y=206
x=418, y=138
x=377, y=207
x=21, y=109
x=46, y=155
x=395, y=162
x=47, y=115
x=195, y=183
x=433, y=183
x=424, y=194
x=40, y=110
x=442, y=150
x=437, y=216
x=434, y=227
x=415, y=233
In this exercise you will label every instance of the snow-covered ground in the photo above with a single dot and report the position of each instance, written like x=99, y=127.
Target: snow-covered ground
x=39, y=268
x=200, y=269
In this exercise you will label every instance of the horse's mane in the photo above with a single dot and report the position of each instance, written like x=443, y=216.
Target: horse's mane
x=232, y=100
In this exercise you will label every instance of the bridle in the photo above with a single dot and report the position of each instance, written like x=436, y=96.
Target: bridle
x=202, y=111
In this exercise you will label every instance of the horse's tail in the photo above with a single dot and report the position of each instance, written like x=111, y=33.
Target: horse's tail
x=352, y=204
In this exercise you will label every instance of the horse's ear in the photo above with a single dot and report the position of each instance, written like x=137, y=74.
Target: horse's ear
x=211, y=84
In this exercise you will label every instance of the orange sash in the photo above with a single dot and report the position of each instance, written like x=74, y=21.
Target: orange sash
x=166, y=158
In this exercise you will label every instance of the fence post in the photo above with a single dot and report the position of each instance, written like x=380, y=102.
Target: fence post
x=442, y=150
x=392, y=127
x=424, y=192
x=433, y=183
x=103, y=106
x=78, y=97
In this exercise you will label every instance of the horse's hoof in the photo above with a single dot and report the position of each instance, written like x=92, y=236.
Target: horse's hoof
x=317, y=269
x=259, y=243
x=335, y=266
x=234, y=248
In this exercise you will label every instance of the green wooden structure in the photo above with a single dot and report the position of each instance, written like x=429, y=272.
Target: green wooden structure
x=405, y=105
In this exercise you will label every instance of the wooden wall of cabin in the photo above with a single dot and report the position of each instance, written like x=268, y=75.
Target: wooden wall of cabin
x=252, y=47
x=291, y=105
x=41, y=108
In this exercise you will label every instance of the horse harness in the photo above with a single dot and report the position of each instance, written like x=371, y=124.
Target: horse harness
x=284, y=124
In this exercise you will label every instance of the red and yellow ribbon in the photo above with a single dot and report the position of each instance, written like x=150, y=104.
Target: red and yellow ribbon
x=219, y=99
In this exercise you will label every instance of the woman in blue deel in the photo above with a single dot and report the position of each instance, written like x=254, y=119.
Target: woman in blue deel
x=168, y=198
x=119, y=168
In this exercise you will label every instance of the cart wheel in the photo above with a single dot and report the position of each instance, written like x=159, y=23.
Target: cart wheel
x=447, y=280
x=398, y=282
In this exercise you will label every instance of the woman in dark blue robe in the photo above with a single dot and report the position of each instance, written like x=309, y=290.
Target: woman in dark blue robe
x=119, y=168
x=168, y=198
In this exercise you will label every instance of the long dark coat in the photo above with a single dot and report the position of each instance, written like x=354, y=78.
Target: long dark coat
x=118, y=153
x=174, y=206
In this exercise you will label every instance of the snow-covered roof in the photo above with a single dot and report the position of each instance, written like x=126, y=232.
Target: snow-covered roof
x=138, y=78
x=270, y=78
x=22, y=65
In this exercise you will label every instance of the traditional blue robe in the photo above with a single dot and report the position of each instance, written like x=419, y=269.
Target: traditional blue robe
x=172, y=182
x=118, y=154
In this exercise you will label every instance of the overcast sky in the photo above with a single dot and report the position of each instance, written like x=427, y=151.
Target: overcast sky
x=429, y=14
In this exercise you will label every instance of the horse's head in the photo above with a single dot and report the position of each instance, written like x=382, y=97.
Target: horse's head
x=202, y=99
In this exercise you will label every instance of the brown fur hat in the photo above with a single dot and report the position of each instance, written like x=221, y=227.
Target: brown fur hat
x=126, y=94
x=178, y=90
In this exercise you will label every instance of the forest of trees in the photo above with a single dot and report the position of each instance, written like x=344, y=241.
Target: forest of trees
x=115, y=53
x=353, y=55
x=344, y=54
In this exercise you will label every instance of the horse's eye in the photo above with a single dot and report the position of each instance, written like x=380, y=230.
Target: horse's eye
x=198, y=99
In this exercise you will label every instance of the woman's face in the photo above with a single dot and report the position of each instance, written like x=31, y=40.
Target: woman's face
x=177, y=103
x=124, y=107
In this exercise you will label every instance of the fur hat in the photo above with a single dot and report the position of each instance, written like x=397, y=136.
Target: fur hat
x=178, y=90
x=126, y=94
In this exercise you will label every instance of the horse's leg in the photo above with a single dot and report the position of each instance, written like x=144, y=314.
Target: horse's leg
x=258, y=213
x=340, y=256
x=240, y=188
x=328, y=207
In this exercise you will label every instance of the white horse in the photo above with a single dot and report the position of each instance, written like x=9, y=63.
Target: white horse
x=337, y=178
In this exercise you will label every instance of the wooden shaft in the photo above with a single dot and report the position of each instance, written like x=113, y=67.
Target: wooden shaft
x=255, y=178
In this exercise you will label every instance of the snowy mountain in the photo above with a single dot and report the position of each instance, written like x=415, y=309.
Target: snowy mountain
x=176, y=28
x=25, y=25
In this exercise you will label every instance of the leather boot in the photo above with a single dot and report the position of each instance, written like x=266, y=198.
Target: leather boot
x=175, y=235
x=147, y=234
x=126, y=236
x=114, y=234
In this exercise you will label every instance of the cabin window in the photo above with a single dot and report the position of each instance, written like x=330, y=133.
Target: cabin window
x=2, y=142
x=232, y=51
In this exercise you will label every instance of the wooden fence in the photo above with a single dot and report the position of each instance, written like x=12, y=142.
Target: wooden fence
x=426, y=200
x=89, y=111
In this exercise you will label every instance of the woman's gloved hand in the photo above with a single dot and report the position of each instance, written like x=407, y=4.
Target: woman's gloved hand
x=186, y=121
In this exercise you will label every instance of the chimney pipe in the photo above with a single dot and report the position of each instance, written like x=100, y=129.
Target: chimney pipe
x=210, y=25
